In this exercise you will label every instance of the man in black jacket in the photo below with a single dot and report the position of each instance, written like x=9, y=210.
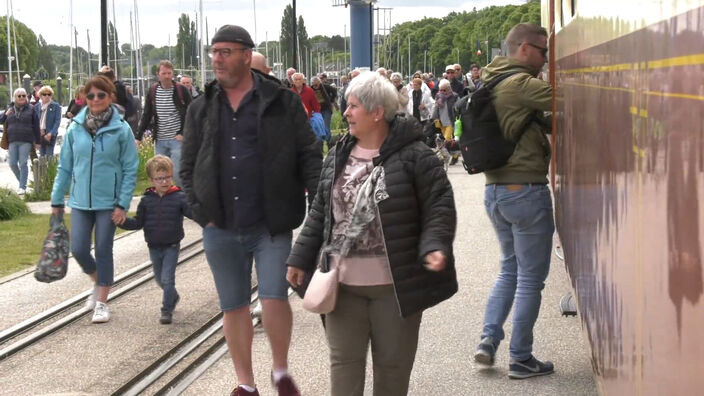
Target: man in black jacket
x=249, y=155
x=164, y=113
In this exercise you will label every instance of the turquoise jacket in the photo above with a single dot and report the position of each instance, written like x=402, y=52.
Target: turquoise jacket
x=101, y=170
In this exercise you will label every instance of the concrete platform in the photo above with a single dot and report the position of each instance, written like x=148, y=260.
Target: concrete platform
x=94, y=359
x=449, y=332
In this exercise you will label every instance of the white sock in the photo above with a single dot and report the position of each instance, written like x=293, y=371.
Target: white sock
x=280, y=373
x=247, y=388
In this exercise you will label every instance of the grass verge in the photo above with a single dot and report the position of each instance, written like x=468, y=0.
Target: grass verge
x=22, y=240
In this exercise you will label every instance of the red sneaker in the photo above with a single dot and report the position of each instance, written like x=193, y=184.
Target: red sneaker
x=287, y=387
x=240, y=391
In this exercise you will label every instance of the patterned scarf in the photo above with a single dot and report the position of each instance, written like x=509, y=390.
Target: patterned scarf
x=18, y=110
x=372, y=191
x=95, y=122
x=441, y=97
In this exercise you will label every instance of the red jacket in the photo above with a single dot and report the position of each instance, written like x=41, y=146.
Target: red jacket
x=309, y=100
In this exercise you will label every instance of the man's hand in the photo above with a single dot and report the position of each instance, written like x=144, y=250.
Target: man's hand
x=435, y=261
x=179, y=138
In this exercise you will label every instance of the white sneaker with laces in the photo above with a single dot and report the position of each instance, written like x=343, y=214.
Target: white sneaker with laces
x=101, y=314
x=90, y=301
x=20, y=191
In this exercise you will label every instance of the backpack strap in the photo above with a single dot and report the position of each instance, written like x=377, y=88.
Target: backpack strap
x=153, y=94
x=497, y=80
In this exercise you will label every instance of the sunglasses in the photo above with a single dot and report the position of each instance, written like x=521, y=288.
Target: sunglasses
x=100, y=95
x=161, y=179
x=543, y=51
x=21, y=96
x=46, y=94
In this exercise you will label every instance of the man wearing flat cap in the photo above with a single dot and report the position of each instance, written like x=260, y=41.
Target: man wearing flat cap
x=249, y=154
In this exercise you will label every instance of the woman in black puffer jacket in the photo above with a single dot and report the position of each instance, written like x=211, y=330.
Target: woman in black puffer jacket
x=384, y=215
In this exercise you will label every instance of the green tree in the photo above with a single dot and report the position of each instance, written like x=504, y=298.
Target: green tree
x=27, y=48
x=286, y=38
x=186, y=43
x=45, y=60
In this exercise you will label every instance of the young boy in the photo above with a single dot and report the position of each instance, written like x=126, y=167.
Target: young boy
x=160, y=213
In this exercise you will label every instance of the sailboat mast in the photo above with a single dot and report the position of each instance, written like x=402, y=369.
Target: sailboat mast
x=9, y=50
x=70, y=56
x=202, y=48
x=114, y=38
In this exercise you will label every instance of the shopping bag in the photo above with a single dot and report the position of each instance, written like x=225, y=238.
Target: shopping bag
x=53, y=262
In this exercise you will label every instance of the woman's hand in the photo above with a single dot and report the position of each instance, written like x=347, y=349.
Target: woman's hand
x=8, y=112
x=47, y=136
x=69, y=114
x=295, y=276
x=118, y=216
x=435, y=261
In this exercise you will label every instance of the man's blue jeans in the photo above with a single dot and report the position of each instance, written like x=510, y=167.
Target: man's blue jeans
x=327, y=117
x=19, y=155
x=172, y=149
x=523, y=221
x=164, y=261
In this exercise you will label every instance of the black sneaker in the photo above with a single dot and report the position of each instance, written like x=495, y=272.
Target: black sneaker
x=165, y=318
x=529, y=368
x=485, y=351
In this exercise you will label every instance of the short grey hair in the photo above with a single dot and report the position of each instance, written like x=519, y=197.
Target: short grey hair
x=396, y=75
x=374, y=91
x=444, y=83
x=19, y=91
x=315, y=79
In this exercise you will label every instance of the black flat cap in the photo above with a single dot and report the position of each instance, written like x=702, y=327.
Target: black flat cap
x=233, y=34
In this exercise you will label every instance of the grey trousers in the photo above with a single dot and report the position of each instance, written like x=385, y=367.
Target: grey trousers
x=363, y=314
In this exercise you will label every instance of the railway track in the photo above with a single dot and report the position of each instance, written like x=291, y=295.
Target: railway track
x=173, y=372
x=70, y=310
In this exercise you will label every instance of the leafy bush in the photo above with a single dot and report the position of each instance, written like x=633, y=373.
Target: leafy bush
x=145, y=150
x=11, y=205
x=44, y=171
x=336, y=122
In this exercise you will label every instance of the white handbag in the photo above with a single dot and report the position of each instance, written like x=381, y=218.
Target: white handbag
x=321, y=295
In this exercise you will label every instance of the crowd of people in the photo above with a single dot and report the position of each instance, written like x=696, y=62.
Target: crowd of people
x=240, y=158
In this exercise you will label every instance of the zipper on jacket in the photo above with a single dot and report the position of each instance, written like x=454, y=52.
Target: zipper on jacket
x=90, y=175
x=386, y=253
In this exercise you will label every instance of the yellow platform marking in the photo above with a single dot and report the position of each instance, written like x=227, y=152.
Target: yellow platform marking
x=687, y=60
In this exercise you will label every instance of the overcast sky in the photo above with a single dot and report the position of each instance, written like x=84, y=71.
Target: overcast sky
x=159, y=18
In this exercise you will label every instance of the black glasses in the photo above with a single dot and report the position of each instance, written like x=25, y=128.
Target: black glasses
x=224, y=52
x=21, y=96
x=46, y=94
x=161, y=179
x=100, y=95
x=543, y=51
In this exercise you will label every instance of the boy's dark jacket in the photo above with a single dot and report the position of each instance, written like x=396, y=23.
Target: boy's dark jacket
x=161, y=217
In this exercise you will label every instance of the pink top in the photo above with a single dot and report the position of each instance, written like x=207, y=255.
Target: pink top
x=367, y=263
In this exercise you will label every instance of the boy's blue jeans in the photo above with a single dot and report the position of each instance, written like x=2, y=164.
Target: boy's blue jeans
x=164, y=260
x=523, y=221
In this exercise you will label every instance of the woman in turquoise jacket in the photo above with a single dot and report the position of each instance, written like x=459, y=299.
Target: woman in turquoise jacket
x=99, y=162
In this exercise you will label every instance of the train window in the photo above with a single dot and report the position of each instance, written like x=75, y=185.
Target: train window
x=573, y=7
x=567, y=11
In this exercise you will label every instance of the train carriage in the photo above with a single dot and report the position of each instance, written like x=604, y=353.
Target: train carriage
x=627, y=175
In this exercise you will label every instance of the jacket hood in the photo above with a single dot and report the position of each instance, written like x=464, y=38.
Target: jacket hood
x=152, y=190
x=80, y=118
x=502, y=65
x=402, y=132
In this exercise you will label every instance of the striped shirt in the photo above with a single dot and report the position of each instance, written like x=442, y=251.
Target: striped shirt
x=168, y=118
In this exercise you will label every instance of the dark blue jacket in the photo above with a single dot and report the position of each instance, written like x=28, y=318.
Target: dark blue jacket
x=22, y=129
x=161, y=217
x=53, y=117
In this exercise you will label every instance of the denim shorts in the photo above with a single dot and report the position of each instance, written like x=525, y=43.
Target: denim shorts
x=230, y=254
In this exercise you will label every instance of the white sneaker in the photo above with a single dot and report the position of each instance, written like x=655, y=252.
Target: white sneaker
x=101, y=314
x=20, y=191
x=90, y=301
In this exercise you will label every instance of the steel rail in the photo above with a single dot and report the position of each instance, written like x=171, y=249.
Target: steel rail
x=147, y=377
x=66, y=320
x=37, y=319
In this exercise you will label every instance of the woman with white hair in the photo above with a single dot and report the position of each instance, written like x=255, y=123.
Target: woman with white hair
x=22, y=129
x=384, y=216
x=397, y=80
x=49, y=113
x=444, y=114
